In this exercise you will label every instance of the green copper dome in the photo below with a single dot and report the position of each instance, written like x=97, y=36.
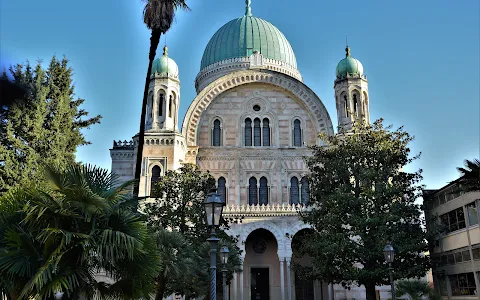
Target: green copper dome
x=349, y=65
x=165, y=66
x=243, y=36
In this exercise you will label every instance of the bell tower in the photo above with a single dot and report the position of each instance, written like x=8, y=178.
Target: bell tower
x=351, y=93
x=164, y=95
x=165, y=146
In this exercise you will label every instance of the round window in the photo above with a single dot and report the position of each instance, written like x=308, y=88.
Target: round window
x=256, y=107
x=259, y=246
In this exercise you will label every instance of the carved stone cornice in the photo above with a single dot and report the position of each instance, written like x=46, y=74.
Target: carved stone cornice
x=274, y=210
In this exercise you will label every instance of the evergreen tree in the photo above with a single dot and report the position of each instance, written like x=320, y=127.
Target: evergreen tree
x=179, y=208
x=361, y=199
x=45, y=127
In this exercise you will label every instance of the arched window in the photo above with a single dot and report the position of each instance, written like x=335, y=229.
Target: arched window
x=266, y=132
x=305, y=190
x=297, y=133
x=156, y=171
x=150, y=106
x=355, y=104
x=170, y=104
x=217, y=133
x=263, y=191
x=345, y=103
x=160, y=104
x=252, y=191
x=222, y=189
x=248, y=132
x=257, y=141
x=294, y=192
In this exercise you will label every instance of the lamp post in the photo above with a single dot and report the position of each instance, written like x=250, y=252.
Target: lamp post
x=213, y=209
x=389, y=253
x=224, y=259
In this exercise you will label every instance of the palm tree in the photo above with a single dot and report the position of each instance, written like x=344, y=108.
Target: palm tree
x=177, y=258
x=470, y=176
x=77, y=224
x=158, y=16
x=415, y=290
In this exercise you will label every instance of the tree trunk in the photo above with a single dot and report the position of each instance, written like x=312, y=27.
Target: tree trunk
x=160, y=288
x=154, y=41
x=370, y=291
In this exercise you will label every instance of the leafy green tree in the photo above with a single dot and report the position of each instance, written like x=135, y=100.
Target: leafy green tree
x=158, y=16
x=179, y=208
x=470, y=176
x=361, y=198
x=415, y=290
x=45, y=127
x=58, y=236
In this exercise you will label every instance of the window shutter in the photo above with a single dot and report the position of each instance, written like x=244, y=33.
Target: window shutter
x=252, y=191
x=263, y=191
x=257, y=133
x=248, y=132
x=297, y=134
x=266, y=132
x=294, y=193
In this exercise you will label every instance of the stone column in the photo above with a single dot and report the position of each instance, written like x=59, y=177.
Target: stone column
x=235, y=275
x=241, y=285
x=282, y=277
x=289, y=281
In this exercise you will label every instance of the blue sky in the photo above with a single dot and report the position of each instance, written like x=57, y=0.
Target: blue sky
x=421, y=59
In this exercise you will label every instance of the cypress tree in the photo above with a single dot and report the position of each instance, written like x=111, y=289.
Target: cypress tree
x=44, y=126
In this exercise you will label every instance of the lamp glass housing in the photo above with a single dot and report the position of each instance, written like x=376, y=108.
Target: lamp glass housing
x=389, y=253
x=213, y=209
x=224, y=252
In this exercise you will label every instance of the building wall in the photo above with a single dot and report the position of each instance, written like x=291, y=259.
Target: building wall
x=457, y=248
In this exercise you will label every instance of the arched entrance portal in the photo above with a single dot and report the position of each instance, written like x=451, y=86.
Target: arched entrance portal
x=306, y=287
x=261, y=265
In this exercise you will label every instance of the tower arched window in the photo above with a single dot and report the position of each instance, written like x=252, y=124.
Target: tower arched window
x=222, y=189
x=252, y=191
x=355, y=105
x=156, y=171
x=305, y=190
x=294, y=191
x=345, y=103
x=161, y=100
x=263, y=191
x=170, y=104
x=217, y=133
x=248, y=132
x=257, y=138
x=297, y=133
x=266, y=132
x=150, y=106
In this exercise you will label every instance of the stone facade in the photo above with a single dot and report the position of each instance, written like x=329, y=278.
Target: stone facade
x=250, y=125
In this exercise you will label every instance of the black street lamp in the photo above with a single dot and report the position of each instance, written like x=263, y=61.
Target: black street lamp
x=389, y=253
x=213, y=209
x=224, y=259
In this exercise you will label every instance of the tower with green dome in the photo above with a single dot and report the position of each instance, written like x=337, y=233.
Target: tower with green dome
x=164, y=95
x=351, y=92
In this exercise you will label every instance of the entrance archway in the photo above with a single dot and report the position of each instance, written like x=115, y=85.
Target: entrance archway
x=261, y=265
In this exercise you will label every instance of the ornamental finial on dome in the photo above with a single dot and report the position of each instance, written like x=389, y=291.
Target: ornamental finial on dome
x=347, y=51
x=165, y=50
x=248, y=9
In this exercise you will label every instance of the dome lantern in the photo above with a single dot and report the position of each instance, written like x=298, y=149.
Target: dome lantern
x=349, y=66
x=164, y=66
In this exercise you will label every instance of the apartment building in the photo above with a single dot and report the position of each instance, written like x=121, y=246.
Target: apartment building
x=456, y=250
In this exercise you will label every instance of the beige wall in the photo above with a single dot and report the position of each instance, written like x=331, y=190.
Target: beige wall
x=233, y=106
